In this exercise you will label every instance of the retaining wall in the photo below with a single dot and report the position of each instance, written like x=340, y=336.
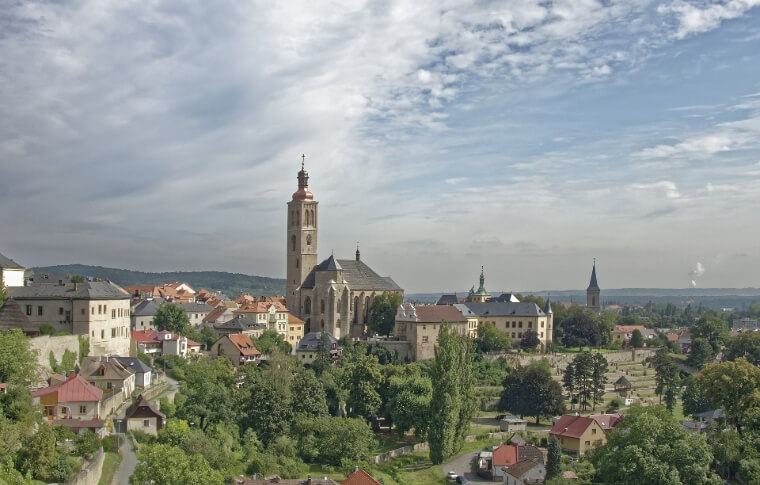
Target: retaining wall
x=44, y=344
x=90, y=472
x=409, y=450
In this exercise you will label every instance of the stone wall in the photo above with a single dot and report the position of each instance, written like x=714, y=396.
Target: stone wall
x=90, y=472
x=409, y=450
x=44, y=344
x=560, y=361
x=402, y=347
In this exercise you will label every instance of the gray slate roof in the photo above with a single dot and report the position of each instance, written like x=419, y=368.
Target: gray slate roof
x=357, y=274
x=147, y=308
x=137, y=365
x=6, y=262
x=464, y=310
x=310, y=341
x=447, y=299
x=196, y=307
x=499, y=309
x=89, y=290
x=240, y=323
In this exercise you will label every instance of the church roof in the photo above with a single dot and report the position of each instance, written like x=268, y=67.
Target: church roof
x=593, y=284
x=521, y=309
x=448, y=299
x=357, y=274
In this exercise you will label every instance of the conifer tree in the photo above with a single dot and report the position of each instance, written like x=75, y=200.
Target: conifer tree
x=554, y=459
x=598, y=378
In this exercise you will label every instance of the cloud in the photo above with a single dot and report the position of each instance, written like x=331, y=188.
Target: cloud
x=664, y=188
x=694, y=19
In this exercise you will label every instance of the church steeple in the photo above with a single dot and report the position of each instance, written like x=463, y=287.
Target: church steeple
x=593, y=292
x=303, y=183
x=482, y=287
x=357, y=252
x=301, y=242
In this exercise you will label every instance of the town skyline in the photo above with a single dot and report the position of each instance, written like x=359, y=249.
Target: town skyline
x=529, y=140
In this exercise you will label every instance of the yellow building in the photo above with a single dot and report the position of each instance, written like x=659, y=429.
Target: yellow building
x=578, y=434
x=295, y=331
x=515, y=318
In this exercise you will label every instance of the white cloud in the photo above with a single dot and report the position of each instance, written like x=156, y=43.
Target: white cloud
x=694, y=19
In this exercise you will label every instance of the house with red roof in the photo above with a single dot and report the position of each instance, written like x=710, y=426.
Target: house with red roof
x=508, y=455
x=74, y=403
x=237, y=347
x=578, y=434
x=273, y=313
x=162, y=343
x=359, y=477
x=420, y=324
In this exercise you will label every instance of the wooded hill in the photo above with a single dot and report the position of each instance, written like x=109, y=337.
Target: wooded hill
x=232, y=284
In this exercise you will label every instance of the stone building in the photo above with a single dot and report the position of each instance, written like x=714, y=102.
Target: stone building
x=98, y=309
x=593, y=293
x=335, y=295
x=420, y=324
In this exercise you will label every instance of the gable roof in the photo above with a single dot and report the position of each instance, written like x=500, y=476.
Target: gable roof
x=91, y=368
x=260, y=307
x=622, y=382
x=607, y=421
x=74, y=389
x=572, y=426
x=88, y=290
x=294, y=320
x=506, y=309
x=142, y=407
x=137, y=365
x=8, y=263
x=148, y=308
x=359, y=477
x=12, y=316
x=214, y=314
x=447, y=299
x=505, y=455
x=434, y=313
x=310, y=341
x=240, y=323
x=521, y=468
x=243, y=343
x=357, y=274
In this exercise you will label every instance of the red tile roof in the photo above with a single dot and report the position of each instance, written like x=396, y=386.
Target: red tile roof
x=75, y=389
x=144, y=336
x=214, y=314
x=607, y=421
x=359, y=477
x=505, y=455
x=571, y=426
x=260, y=307
x=629, y=328
x=243, y=343
x=294, y=320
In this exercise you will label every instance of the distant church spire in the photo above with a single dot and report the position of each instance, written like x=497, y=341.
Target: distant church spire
x=482, y=281
x=593, y=293
x=593, y=285
x=357, y=250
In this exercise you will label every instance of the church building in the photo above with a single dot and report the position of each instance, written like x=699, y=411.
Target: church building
x=335, y=295
x=593, y=293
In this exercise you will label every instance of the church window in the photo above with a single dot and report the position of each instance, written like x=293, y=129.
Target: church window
x=308, y=217
x=322, y=306
x=307, y=305
x=322, y=324
x=293, y=242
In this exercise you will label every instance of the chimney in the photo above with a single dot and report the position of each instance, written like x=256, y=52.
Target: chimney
x=356, y=469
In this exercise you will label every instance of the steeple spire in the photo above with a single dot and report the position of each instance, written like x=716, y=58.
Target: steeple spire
x=357, y=250
x=303, y=183
x=593, y=285
x=482, y=281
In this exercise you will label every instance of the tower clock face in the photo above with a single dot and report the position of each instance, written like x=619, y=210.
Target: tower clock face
x=308, y=239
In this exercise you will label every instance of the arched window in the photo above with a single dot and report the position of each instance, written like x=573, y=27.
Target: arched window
x=322, y=325
x=307, y=305
x=308, y=218
x=322, y=306
x=298, y=217
x=293, y=242
x=356, y=309
x=296, y=263
x=313, y=219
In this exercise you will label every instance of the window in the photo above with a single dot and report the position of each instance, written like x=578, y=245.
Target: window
x=105, y=310
x=542, y=334
x=514, y=324
x=513, y=334
x=593, y=430
x=425, y=339
x=100, y=309
x=322, y=306
x=146, y=422
x=113, y=332
x=60, y=310
x=293, y=242
x=109, y=385
x=588, y=443
x=542, y=324
x=519, y=334
x=92, y=311
x=519, y=325
x=29, y=309
x=113, y=313
x=39, y=310
x=102, y=334
x=83, y=409
x=530, y=324
x=82, y=311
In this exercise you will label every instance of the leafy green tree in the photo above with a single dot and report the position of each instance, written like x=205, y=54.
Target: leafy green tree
x=568, y=380
x=206, y=337
x=3, y=295
x=694, y=400
x=171, y=317
x=713, y=329
x=580, y=329
x=726, y=447
x=18, y=363
x=701, y=353
x=175, y=433
x=667, y=380
x=747, y=345
x=637, y=339
x=491, y=339
x=409, y=403
x=77, y=279
x=553, y=459
x=529, y=340
x=452, y=405
x=650, y=446
x=734, y=386
x=210, y=392
x=168, y=465
x=270, y=342
x=267, y=407
x=309, y=395
x=531, y=391
x=382, y=313
x=86, y=444
x=37, y=455
x=323, y=359
x=333, y=441
x=364, y=379
x=599, y=368
x=583, y=373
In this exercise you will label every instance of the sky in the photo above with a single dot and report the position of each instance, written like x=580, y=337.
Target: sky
x=524, y=136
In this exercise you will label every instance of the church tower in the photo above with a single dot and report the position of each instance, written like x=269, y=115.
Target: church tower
x=593, y=293
x=302, y=240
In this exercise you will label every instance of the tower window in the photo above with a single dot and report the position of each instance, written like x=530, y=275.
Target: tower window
x=296, y=263
x=293, y=242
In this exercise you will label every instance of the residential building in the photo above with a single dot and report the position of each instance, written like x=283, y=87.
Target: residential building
x=108, y=374
x=219, y=314
x=745, y=323
x=237, y=347
x=334, y=296
x=295, y=331
x=516, y=318
x=524, y=472
x=141, y=370
x=98, y=309
x=75, y=403
x=359, y=477
x=607, y=421
x=578, y=434
x=420, y=324
x=508, y=455
x=308, y=347
x=241, y=324
x=144, y=312
x=196, y=312
x=141, y=416
x=162, y=343
x=273, y=314
x=11, y=273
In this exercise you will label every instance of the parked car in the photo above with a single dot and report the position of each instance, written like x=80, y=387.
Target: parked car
x=499, y=417
x=462, y=480
x=452, y=475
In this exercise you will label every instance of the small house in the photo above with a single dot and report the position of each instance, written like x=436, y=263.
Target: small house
x=141, y=369
x=523, y=472
x=141, y=416
x=512, y=424
x=578, y=434
x=237, y=347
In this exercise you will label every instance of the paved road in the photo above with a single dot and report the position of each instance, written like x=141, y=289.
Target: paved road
x=462, y=466
x=128, y=457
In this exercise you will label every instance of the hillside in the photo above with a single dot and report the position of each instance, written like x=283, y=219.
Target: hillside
x=230, y=283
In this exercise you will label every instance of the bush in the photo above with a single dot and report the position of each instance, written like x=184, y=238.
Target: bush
x=47, y=329
x=86, y=444
x=110, y=443
x=143, y=438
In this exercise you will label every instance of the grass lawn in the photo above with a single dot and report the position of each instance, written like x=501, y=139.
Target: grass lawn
x=391, y=441
x=110, y=465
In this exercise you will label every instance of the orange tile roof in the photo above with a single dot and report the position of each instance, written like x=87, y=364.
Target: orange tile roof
x=260, y=307
x=359, y=477
x=505, y=455
x=607, y=421
x=629, y=328
x=243, y=343
x=215, y=314
x=294, y=320
x=571, y=426
x=144, y=336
